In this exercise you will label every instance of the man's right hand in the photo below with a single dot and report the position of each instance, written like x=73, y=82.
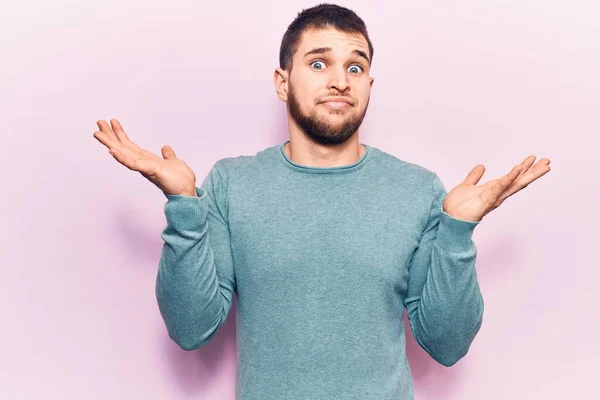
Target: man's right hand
x=169, y=174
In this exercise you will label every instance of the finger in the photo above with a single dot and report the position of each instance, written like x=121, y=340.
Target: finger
x=118, y=129
x=534, y=174
x=492, y=193
x=122, y=136
x=103, y=138
x=168, y=153
x=543, y=162
x=121, y=139
x=475, y=175
x=104, y=127
x=529, y=173
x=527, y=163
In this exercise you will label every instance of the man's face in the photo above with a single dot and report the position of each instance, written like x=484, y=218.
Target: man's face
x=335, y=68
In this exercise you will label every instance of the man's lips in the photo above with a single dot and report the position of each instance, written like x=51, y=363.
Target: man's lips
x=337, y=102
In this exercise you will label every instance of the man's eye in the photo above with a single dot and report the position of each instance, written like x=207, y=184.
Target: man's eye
x=318, y=62
x=356, y=67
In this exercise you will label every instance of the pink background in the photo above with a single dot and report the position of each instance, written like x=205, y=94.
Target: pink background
x=456, y=84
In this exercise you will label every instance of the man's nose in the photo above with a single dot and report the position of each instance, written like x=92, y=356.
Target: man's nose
x=338, y=79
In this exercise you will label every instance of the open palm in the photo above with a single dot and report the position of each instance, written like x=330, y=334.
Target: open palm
x=170, y=174
x=470, y=202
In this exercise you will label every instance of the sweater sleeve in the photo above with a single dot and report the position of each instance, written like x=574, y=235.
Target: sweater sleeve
x=195, y=281
x=444, y=302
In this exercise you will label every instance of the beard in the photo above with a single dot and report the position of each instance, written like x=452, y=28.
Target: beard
x=318, y=128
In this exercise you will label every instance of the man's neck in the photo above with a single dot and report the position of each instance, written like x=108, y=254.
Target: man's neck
x=312, y=154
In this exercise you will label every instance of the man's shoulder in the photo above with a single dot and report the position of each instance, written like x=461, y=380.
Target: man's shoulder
x=243, y=164
x=401, y=167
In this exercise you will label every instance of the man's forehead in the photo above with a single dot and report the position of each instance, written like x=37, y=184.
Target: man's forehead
x=330, y=37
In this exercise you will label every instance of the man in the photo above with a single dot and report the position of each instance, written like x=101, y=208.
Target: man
x=323, y=239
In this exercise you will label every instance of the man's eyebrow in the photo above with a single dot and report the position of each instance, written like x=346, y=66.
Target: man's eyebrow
x=323, y=50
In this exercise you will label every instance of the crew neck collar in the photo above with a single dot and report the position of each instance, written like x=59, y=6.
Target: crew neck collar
x=323, y=170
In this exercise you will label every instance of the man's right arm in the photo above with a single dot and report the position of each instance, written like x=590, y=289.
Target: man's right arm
x=195, y=281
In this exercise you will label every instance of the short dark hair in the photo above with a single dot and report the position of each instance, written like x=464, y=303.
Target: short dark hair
x=321, y=16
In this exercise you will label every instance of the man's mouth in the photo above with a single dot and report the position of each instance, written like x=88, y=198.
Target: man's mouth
x=336, y=104
x=337, y=101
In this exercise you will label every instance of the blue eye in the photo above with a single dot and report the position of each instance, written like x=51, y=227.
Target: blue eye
x=356, y=66
x=314, y=62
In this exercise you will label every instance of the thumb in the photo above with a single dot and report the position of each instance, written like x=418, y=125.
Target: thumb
x=168, y=153
x=475, y=175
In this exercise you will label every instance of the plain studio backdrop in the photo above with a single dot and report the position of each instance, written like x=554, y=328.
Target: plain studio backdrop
x=456, y=84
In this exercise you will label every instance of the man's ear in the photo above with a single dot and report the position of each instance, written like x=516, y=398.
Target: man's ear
x=281, y=81
x=371, y=80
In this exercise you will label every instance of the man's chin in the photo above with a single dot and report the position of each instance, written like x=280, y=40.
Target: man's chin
x=329, y=127
x=334, y=118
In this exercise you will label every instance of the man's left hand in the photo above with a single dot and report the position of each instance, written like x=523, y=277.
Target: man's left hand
x=471, y=203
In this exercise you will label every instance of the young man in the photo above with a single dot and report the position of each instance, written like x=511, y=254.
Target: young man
x=324, y=239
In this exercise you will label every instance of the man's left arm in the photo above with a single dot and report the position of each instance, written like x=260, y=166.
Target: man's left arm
x=443, y=301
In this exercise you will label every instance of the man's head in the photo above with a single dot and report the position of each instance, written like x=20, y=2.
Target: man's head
x=326, y=54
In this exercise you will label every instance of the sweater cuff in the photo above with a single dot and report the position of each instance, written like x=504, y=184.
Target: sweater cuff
x=454, y=234
x=186, y=212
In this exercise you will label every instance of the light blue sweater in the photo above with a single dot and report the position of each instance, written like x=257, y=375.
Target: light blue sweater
x=323, y=262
